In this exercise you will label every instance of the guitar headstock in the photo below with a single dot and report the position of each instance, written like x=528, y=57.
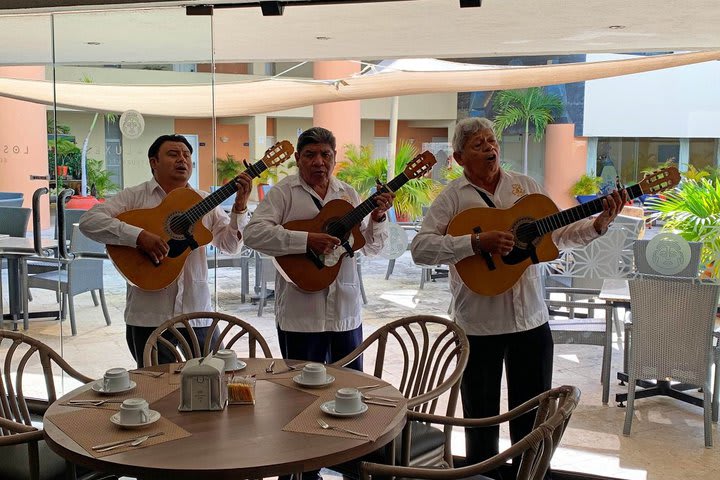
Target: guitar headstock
x=420, y=165
x=278, y=153
x=660, y=180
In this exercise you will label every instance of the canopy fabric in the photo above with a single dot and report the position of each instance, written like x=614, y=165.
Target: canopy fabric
x=272, y=94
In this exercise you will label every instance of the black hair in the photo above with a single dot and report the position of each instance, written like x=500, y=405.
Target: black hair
x=155, y=147
x=315, y=135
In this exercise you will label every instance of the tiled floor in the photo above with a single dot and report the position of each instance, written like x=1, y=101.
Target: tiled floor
x=667, y=437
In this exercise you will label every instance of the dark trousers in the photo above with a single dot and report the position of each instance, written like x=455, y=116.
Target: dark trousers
x=528, y=360
x=137, y=337
x=321, y=347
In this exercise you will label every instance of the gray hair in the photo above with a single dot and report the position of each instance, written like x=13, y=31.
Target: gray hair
x=467, y=127
x=315, y=135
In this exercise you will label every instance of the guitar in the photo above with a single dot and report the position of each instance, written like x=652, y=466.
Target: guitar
x=312, y=272
x=177, y=221
x=530, y=220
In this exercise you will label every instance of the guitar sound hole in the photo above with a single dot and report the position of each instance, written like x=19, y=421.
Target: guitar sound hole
x=526, y=234
x=178, y=225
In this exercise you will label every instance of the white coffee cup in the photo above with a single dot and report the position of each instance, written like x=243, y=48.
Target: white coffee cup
x=348, y=400
x=314, y=373
x=116, y=379
x=229, y=357
x=134, y=411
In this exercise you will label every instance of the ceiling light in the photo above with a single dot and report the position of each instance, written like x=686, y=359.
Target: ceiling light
x=322, y=38
x=92, y=43
x=616, y=27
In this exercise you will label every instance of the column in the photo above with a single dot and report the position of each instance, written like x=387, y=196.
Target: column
x=565, y=162
x=257, y=136
x=23, y=142
x=342, y=118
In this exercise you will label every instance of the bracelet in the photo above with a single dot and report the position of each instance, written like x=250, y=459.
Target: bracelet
x=244, y=210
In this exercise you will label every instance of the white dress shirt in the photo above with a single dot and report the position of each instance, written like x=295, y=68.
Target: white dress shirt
x=520, y=308
x=190, y=292
x=336, y=308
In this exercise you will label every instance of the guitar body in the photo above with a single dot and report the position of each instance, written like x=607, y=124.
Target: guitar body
x=475, y=271
x=135, y=266
x=300, y=268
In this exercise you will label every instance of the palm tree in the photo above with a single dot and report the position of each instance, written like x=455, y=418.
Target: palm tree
x=362, y=170
x=527, y=105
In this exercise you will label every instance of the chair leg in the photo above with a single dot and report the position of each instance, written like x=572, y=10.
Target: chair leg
x=707, y=413
x=259, y=276
x=391, y=267
x=360, y=279
x=716, y=385
x=629, y=408
x=63, y=306
x=71, y=306
x=423, y=277
x=104, y=307
x=95, y=298
x=25, y=292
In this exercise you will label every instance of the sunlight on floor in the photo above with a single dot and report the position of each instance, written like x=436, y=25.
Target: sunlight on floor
x=402, y=298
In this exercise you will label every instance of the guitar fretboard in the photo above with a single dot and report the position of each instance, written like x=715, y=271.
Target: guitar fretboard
x=356, y=215
x=197, y=211
x=566, y=217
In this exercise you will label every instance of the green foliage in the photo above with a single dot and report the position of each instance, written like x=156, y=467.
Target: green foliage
x=693, y=211
x=99, y=178
x=274, y=174
x=531, y=105
x=67, y=154
x=362, y=171
x=587, y=185
x=227, y=168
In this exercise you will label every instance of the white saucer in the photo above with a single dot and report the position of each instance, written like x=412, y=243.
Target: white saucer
x=154, y=417
x=329, y=408
x=240, y=366
x=328, y=380
x=98, y=387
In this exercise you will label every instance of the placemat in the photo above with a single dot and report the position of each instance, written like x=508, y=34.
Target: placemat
x=373, y=422
x=149, y=388
x=91, y=427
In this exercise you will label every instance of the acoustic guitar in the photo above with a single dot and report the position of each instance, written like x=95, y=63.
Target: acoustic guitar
x=177, y=221
x=530, y=220
x=312, y=272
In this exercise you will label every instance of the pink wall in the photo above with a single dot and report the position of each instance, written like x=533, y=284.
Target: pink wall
x=342, y=118
x=565, y=162
x=23, y=142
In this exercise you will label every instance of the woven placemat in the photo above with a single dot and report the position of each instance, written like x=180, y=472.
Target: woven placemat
x=373, y=422
x=149, y=388
x=91, y=427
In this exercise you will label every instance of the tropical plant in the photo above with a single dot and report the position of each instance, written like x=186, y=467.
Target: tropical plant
x=99, y=179
x=227, y=168
x=587, y=185
x=362, y=172
x=526, y=106
x=693, y=211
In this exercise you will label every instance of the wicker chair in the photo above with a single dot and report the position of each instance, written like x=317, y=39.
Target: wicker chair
x=434, y=352
x=553, y=410
x=170, y=335
x=672, y=324
x=23, y=452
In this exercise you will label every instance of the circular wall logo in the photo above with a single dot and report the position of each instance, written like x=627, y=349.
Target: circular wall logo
x=668, y=253
x=132, y=124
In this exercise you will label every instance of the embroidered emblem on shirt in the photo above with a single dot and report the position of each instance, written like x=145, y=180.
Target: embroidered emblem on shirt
x=518, y=190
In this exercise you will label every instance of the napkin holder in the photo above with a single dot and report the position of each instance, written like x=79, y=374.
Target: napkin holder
x=203, y=385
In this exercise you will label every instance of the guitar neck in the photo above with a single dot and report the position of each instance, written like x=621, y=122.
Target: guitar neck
x=584, y=210
x=357, y=214
x=199, y=210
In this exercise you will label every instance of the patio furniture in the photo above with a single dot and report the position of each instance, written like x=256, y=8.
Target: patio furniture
x=242, y=441
x=184, y=347
x=11, y=199
x=23, y=452
x=77, y=275
x=553, y=411
x=672, y=323
x=424, y=356
x=13, y=223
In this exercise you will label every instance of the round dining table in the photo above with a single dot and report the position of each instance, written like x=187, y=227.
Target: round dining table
x=241, y=441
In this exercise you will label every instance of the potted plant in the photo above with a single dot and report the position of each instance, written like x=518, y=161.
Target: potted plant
x=692, y=210
x=362, y=171
x=227, y=168
x=586, y=188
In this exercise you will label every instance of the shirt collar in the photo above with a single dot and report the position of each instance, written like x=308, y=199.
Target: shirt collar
x=464, y=182
x=334, y=185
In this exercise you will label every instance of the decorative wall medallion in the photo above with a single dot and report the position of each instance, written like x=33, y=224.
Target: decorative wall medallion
x=668, y=253
x=132, y=124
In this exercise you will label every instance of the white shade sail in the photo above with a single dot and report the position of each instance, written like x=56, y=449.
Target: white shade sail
x=273, y=94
